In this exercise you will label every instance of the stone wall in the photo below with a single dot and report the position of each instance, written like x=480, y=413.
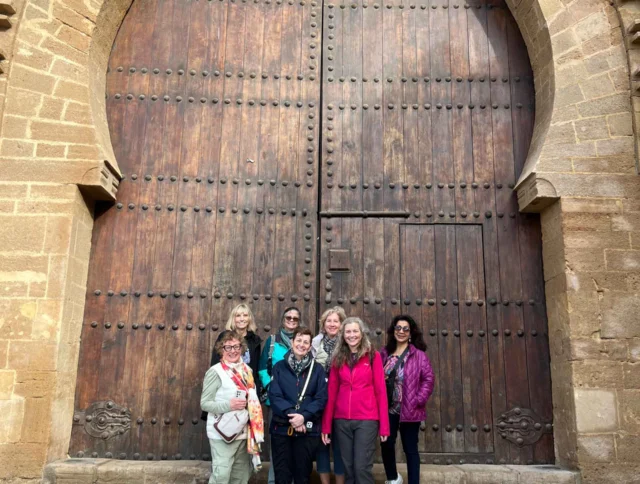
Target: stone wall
x=55, y=158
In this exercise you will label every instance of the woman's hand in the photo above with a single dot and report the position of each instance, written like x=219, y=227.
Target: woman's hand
x=302, y=429
x=326, y=439
x=296, y=420
x=238, y=403
x=383, y=438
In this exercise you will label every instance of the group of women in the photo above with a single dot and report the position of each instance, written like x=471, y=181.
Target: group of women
x=328, y=394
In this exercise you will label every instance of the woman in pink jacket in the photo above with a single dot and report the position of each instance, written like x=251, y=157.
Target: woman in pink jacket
x=357, y=406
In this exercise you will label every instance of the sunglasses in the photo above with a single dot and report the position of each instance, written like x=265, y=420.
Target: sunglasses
x=292, y=318
x=230, y=348
x=402, y=329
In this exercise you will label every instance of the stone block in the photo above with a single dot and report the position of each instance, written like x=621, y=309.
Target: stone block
x=51, y=108
x=584, y=260
x=35, y=384
x=592, y=128
x=57, y=276
x=11, y=421
x=597, y=86
x=12, y=148
x=568, y=95
x=615, y=473
x=597, y=374
x=73, y=91
x=73, y=471
x=544, y=474
x=32, y=355
x=634, y=349
x=626, y=222
x=596, y=410
x=620, y=124
x=73, y=19
x=617, y=146
x=53, y=192
x=70, y=71
x=623, y=260
x=627, y=447
x=13, y=191
x=605, y=164
x=22, y=460
x=30, y=56
x=487, y=474
x=7, y=382
x=591, y=205
x=78, y=113
x=64, y=50
x=48, y=131
x=84, y=152
x=31, y=80
x=596, y=240
x=21, y=102
x=37, y=418
x=596, y=448
x=620, y=315
x=616, y=103
x=58, y=235
x=563, y=42
x=15, y=127
x=442, y=474
x=597, y=349
x=45, y=207
x=45, y=150
x=74, y=38
x=4, y=353
x=630, y=410
x=16, y=318
x=121, y=472
x=579, y=221
x=164, y=471
x=631, y=375
x=46, y=325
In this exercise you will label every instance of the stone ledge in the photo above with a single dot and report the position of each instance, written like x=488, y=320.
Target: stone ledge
x=98, y=471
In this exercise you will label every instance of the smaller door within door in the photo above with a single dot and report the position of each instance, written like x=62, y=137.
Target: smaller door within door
x=442, y=286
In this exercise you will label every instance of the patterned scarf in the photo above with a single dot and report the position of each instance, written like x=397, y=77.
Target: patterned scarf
x=286, y=337
x=329, y=344
x=298, y=366
x=241, y=375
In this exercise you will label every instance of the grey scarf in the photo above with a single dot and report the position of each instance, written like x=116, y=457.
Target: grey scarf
x=298, y=366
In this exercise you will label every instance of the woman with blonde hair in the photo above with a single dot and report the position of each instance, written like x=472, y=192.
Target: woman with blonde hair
x=241, y=321
x=323, y=346
x=235, y=426
x=356, y=412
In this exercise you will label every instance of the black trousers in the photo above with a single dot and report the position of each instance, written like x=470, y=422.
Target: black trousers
x=358, y=440
x=409, y=435
x=292, y=458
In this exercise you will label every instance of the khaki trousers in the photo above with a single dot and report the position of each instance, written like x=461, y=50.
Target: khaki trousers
x=230, y=463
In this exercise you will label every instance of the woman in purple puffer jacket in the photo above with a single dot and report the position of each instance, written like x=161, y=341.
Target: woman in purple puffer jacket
x=409, y=378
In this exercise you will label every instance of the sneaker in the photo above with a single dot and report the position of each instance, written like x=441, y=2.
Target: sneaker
x=397, y=480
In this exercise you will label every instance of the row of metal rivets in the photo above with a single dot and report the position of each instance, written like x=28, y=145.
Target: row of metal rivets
x=222, y=181
x=138, y=456
x=425, y=79
x=412, y=6
x=203, y=295
x=209, y=209
x=426, y=106
x=494, y=332
x=215, y=100
x=216, y=73
x=417, y=186
x=426, y=300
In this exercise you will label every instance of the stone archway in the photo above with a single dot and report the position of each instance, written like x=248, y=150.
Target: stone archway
x=583, y=144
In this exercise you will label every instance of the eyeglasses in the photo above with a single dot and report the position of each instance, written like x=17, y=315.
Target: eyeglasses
x=292, y=318
x=230, y=348
x=402, y=329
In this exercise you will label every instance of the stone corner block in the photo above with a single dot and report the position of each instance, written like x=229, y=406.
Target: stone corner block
x=101, y=182
x=545, y=474
x=69, y=471
x=596, y=410
x=535, y=193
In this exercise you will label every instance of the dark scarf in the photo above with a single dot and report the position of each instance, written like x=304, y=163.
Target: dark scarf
x=329, y=344
x=285, y=337
x=298, y=366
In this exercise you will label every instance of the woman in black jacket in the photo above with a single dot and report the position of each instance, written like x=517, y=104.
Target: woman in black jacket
x=242, y=322
x=298, y=395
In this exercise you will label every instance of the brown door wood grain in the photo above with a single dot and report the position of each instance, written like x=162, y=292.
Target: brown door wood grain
x=308, y=153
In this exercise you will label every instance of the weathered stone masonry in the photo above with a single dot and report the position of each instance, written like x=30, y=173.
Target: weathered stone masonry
x=56, y=158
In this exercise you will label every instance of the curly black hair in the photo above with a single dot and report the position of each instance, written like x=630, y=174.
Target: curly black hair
x=415, y=334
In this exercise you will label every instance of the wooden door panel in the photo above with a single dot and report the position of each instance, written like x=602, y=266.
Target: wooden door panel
x=213, y=109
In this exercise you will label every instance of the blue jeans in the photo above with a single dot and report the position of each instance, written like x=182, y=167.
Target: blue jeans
x=409, y=436
x=323, y=459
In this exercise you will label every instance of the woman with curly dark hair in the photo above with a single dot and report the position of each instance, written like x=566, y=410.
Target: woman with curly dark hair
x=409, y=381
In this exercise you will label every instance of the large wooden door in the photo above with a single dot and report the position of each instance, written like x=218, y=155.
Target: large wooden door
x=261, y=139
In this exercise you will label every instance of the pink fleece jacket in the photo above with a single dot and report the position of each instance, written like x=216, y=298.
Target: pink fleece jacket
x=357, y=393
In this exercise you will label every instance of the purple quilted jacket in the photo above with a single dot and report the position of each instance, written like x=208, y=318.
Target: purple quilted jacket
x=417, y=385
